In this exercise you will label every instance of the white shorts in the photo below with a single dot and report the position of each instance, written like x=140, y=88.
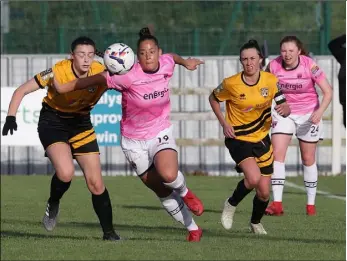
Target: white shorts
x=298, y=125
x=140, y=153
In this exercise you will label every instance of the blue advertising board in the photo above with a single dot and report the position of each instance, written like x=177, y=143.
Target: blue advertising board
x=106, y=117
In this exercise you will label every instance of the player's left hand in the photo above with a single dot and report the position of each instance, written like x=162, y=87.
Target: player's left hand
x=10, y=125
x=192, y=63
x=316, y=116
x=283, y=109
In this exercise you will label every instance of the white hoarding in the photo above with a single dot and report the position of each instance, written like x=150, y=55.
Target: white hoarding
x=27, y=118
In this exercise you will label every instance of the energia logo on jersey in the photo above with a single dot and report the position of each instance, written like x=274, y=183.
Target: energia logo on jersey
x=288, y=86
x=155, y=94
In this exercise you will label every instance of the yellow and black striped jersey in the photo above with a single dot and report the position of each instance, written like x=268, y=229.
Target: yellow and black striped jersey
x=80, y=101
x=248, y=107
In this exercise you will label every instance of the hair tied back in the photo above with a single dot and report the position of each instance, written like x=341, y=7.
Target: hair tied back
x=144, y=32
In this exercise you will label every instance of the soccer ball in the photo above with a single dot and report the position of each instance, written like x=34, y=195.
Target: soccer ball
x=119, y=58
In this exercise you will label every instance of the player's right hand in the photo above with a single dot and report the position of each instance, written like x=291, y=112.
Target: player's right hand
x=10, y=125
x=228, y=131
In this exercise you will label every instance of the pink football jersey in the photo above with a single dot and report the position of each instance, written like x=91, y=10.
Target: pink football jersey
x=298, y=84
x=145, y=99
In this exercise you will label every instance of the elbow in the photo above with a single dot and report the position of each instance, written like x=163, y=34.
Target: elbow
x=329, y=94
x=19, y=93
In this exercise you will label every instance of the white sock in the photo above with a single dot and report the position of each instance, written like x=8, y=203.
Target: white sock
x=278, y=179
x=310, y=180
x=179, y=184
x=176, y=208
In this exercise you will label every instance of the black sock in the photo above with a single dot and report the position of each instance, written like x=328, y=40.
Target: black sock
x=58, y=188
x=103, y=209
x=259, y=207
x=239, y=193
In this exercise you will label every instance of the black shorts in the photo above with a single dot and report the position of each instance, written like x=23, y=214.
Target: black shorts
x=261, y=151
x=73, y=129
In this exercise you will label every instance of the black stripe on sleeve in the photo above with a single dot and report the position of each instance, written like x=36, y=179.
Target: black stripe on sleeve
x=216, y=97
x=38, y=82
x=279, y=98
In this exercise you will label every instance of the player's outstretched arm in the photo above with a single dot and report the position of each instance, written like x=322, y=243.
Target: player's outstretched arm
x=190, y=63
x=81, y=83
x=17, y=97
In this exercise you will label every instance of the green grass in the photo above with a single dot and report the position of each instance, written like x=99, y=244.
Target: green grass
x=151, y=234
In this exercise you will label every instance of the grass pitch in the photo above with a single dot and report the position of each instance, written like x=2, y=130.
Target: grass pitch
x=151, y=234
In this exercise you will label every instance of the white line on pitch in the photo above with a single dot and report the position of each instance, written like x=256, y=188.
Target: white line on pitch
x=319, y=192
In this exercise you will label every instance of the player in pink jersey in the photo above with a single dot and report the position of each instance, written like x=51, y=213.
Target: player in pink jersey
x=297, y=74
x=147, y=135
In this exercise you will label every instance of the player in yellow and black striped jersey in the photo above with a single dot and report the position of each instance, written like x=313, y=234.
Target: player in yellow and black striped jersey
x=80, y=101
x=246, y=125
x=66, y=131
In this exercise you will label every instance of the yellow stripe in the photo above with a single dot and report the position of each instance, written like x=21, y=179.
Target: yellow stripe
x=84, y=141
x=268, y=160
x=266, y=175
x=253, y=125
x=245, y=159
x=266, y=163
x=81, y=135
x=58, y=142
x=86, y=153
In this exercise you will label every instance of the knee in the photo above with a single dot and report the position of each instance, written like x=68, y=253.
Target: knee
x=95, y=185
x=66, y=174
x=263, y=194
x=279, y=155
x=308, y=159
x=252, y=182
x=169, y=176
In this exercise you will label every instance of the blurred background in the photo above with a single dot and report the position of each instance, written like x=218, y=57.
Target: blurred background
x=35, y=35
x=185, y=27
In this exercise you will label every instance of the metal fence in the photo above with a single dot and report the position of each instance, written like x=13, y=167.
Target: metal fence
x=185, y=27
x=199, y=135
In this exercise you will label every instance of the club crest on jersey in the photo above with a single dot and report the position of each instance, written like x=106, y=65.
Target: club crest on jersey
x=314, y=69
x=264, y=92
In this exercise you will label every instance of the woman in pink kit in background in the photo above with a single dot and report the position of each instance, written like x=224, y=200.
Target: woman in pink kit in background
x=297, y=74
x=147, y=136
